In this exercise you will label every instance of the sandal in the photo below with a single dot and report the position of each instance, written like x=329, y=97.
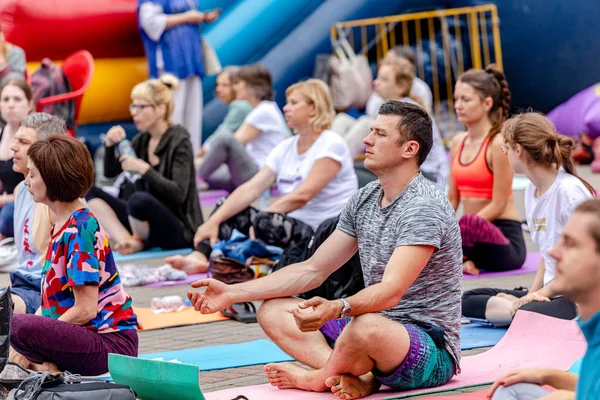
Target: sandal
x=243, y=312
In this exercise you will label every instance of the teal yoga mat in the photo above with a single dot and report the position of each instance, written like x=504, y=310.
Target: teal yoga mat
x=151, y=253
x=226, y=356
x=475, y=336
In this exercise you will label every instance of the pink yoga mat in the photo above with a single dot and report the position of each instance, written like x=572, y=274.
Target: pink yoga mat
x=532, y=261
x=532, y=341
x=190, y=278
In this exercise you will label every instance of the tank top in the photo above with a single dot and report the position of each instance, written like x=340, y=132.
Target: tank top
x=475, y=179
x=29, y=255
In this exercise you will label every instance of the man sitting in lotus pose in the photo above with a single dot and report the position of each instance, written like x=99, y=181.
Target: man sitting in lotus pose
x=402, y=330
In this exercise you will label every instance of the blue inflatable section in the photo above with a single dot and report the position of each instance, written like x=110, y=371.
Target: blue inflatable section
x=250, y=28
x=292, y=59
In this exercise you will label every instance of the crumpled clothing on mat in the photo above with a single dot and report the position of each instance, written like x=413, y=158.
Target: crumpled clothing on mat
x=242, y=249
x=139, y=275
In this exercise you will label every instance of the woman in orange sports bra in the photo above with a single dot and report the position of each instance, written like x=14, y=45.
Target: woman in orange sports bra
x=481, y=176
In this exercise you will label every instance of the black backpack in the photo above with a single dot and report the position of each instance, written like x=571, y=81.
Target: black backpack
x=346, y=281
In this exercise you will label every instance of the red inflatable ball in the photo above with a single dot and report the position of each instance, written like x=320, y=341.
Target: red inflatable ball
x=57, y=28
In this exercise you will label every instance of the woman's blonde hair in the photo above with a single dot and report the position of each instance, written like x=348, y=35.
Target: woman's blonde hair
x=537, y=135
x=404, y=73
x=316, y=92
x=157, y=92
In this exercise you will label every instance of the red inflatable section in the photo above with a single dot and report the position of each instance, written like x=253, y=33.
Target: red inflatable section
x=57, y=28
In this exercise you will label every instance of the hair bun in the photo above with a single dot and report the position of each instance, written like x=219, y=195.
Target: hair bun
x=170, y=81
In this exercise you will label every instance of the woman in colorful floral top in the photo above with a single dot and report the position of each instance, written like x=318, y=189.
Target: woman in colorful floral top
x=85, y=311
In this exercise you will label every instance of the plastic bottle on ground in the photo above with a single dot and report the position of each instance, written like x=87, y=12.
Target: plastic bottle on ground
x=168, y=304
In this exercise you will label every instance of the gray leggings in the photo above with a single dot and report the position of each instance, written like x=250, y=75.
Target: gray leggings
x=226, y=164
x=520, y=391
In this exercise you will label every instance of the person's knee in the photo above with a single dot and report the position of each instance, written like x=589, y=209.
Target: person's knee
x=19, y=303
x=363, y=330
x=269, y=314
x=139, y=204
x=22, y=327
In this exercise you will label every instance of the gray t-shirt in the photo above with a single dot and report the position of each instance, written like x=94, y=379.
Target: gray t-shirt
x=421, y=215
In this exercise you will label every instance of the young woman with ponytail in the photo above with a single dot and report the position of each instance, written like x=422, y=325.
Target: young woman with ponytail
x=533, y=148
x=481, y=177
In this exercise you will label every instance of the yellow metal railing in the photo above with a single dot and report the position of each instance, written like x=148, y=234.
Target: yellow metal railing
x=446, y=43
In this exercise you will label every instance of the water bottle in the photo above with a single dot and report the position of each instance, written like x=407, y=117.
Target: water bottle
x=126, y=149
x=263, y=200
x=168, y=304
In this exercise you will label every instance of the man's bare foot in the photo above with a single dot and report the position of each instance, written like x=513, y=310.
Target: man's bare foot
x=193, y=263
x=129, y=246
x=351, y=387
x=290, y=376
x=470, y=268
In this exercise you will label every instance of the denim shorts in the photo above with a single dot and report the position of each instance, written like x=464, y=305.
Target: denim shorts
x=28, y=288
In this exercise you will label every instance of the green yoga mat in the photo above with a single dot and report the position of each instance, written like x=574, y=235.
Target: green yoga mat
x=156, y=380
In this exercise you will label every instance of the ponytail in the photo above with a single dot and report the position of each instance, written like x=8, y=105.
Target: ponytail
x=538, y=137
x=563, y=157
x=501, y=107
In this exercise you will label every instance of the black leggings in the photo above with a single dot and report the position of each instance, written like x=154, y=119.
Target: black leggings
x=274, y=229
x=493, y=246
x=166, y=230
x=474, y=304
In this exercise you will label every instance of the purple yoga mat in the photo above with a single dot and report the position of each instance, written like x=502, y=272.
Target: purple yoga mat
x=210, y=197
x=190, y=278
x=529, y=267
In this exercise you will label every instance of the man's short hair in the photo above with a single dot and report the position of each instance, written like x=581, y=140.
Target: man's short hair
x=405, y=52
x=65, y=165
x=44, y=124
x=415, y=124
x=592, y=206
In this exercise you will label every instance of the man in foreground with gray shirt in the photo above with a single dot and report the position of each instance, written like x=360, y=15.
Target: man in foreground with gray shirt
x=402, y=330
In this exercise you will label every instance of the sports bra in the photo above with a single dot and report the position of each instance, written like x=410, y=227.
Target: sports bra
x=474, y=179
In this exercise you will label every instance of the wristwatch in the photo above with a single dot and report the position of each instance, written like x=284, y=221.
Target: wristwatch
x=346, y=310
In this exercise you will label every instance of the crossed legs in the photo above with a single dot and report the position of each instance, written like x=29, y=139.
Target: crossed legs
x=369, y=342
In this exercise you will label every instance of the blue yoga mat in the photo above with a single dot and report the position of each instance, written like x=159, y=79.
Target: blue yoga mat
x=474, y=336
x=152, y=253
x=226, y=356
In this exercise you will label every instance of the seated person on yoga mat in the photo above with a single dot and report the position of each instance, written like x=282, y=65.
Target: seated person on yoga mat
x=32, y=221
x=237, y=111
x=161, y=207
x=232, y=160
x=85, y=311
x=481, y=176
x=405, y=327
x=419, y=89
x=313, y=171
x=535, y=149
x=16, y=102
x=394, y=80
x=577, y=256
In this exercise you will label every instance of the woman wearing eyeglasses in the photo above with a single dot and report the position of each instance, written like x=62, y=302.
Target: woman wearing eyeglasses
x=533, y=148
x=160, y=207
x=481, y=176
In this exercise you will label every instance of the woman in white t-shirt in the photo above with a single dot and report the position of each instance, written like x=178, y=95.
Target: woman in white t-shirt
x=244, y=153
x=313, y=171
x=535, y=149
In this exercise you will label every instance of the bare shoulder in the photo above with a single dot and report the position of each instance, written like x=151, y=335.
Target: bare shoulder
x=457, y=140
